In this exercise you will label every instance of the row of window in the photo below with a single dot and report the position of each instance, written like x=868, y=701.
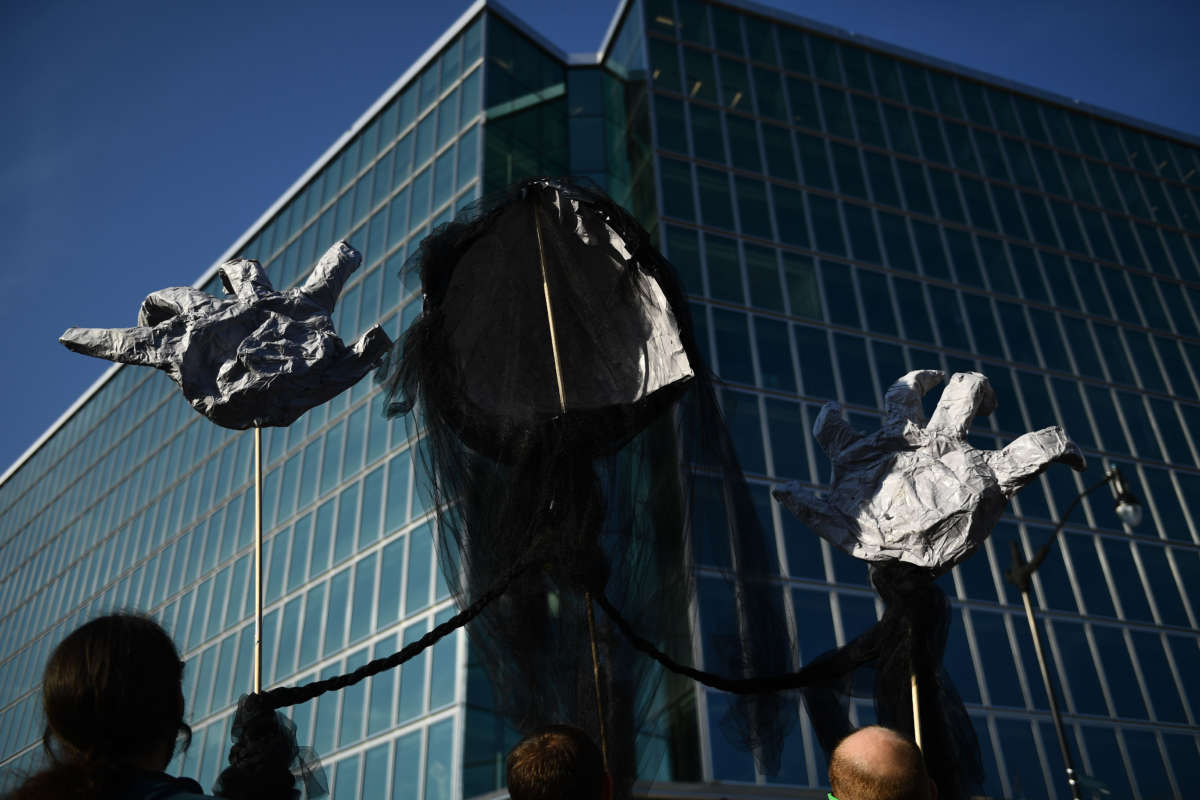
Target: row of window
x=403, y=700
x=812, y=220
x=1021, y=756
x=897, y=81
x=793, y=358
x=821, y=160
x=374, y=506
x=863, y=299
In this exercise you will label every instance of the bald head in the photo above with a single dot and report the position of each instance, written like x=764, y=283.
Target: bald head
x=876, y=763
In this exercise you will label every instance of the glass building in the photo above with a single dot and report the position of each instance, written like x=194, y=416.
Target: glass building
x=841, y=211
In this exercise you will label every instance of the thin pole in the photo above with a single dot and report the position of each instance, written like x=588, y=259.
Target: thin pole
x=562, y=405
x=258, y=551
x=916, y=713
x=562, y=394
x=1058, y=726
x=591, y=621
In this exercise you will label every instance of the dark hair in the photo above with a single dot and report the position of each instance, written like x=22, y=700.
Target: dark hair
x=902, y=776
x=112, y=695
x=559, y=762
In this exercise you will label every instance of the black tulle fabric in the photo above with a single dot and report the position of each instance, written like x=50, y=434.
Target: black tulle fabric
x=265, y=762
x=599, y=497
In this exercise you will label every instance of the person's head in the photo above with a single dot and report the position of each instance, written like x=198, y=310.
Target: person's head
x=112, y=694
x=876, y=763
x=560, y=762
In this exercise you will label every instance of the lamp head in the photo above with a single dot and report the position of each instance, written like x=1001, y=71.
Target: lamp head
x=1127, y=507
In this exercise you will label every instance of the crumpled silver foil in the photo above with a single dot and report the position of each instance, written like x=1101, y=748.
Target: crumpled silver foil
x=916, y=491
x=257, y=358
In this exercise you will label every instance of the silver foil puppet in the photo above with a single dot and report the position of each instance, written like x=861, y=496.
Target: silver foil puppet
x=256, y=358
x=915, y=491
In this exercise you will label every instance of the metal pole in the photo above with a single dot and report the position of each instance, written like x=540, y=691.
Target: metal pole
x=258, y=551
x=1058, y=726
x=916, y=713
x=562, y=404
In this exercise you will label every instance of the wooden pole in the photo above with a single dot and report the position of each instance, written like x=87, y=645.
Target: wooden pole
x=258, y=553
x=916, y=706
x=562, y=405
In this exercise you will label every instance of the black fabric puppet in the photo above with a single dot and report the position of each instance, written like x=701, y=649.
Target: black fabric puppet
x=568, y=421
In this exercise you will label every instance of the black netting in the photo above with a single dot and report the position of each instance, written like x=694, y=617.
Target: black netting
x=594, y=483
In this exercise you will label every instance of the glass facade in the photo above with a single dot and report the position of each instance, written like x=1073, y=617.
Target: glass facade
x=840, y=215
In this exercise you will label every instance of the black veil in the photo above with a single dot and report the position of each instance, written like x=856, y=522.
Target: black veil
x=576, y=457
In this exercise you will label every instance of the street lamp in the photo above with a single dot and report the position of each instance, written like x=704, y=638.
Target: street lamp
x=1129, y=511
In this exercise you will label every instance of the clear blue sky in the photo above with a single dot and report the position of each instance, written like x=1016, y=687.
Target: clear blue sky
x=140, y=138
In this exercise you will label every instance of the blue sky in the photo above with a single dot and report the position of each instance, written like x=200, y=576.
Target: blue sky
x=141, y=138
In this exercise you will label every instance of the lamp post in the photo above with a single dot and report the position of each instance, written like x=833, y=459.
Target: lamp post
x=1129, y=511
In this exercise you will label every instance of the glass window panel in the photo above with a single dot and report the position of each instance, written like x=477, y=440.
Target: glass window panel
x=1125, y=576
x=412, y=676
x=929, y=247
x=839, y=294
x=406, y=767
x=887, y=78
x=335, y=623
x=855, y=370
x=701, y=75
x=913, y=310
x=1054, y=352
x=784, y=421
x=946, y=192
x=733, y=346
x=883, y=180
x=1079, y=670
x=949, y=317
x=862, y=233
x=1016, y=332
x=762, y=271
x=789, y=213
x=837, y=112
x=816, y=368
x=991, y=155
x=684, y=250
x=416, y=595
x=781, y=159
x=961, y=149
x=1118, y=671
x=443, y=670
x=1106, y=761
x=1166, y=589
x=977, y=203
x=735, y=85
x=768, y=88
x=959, y=662
x=1009, y=212
x=754, y=212
x=995, y=654
x=826, y=224
x=870, y=123
x=801, y=283
x=724, y=270
x=715, y=207
x=849, y=171
x=877, y=300
x=774, y=354
x=1138, y=424
x=677, y=189
x=900, y=129
x=983, y=324
x=708, y=142
x=814, y=161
